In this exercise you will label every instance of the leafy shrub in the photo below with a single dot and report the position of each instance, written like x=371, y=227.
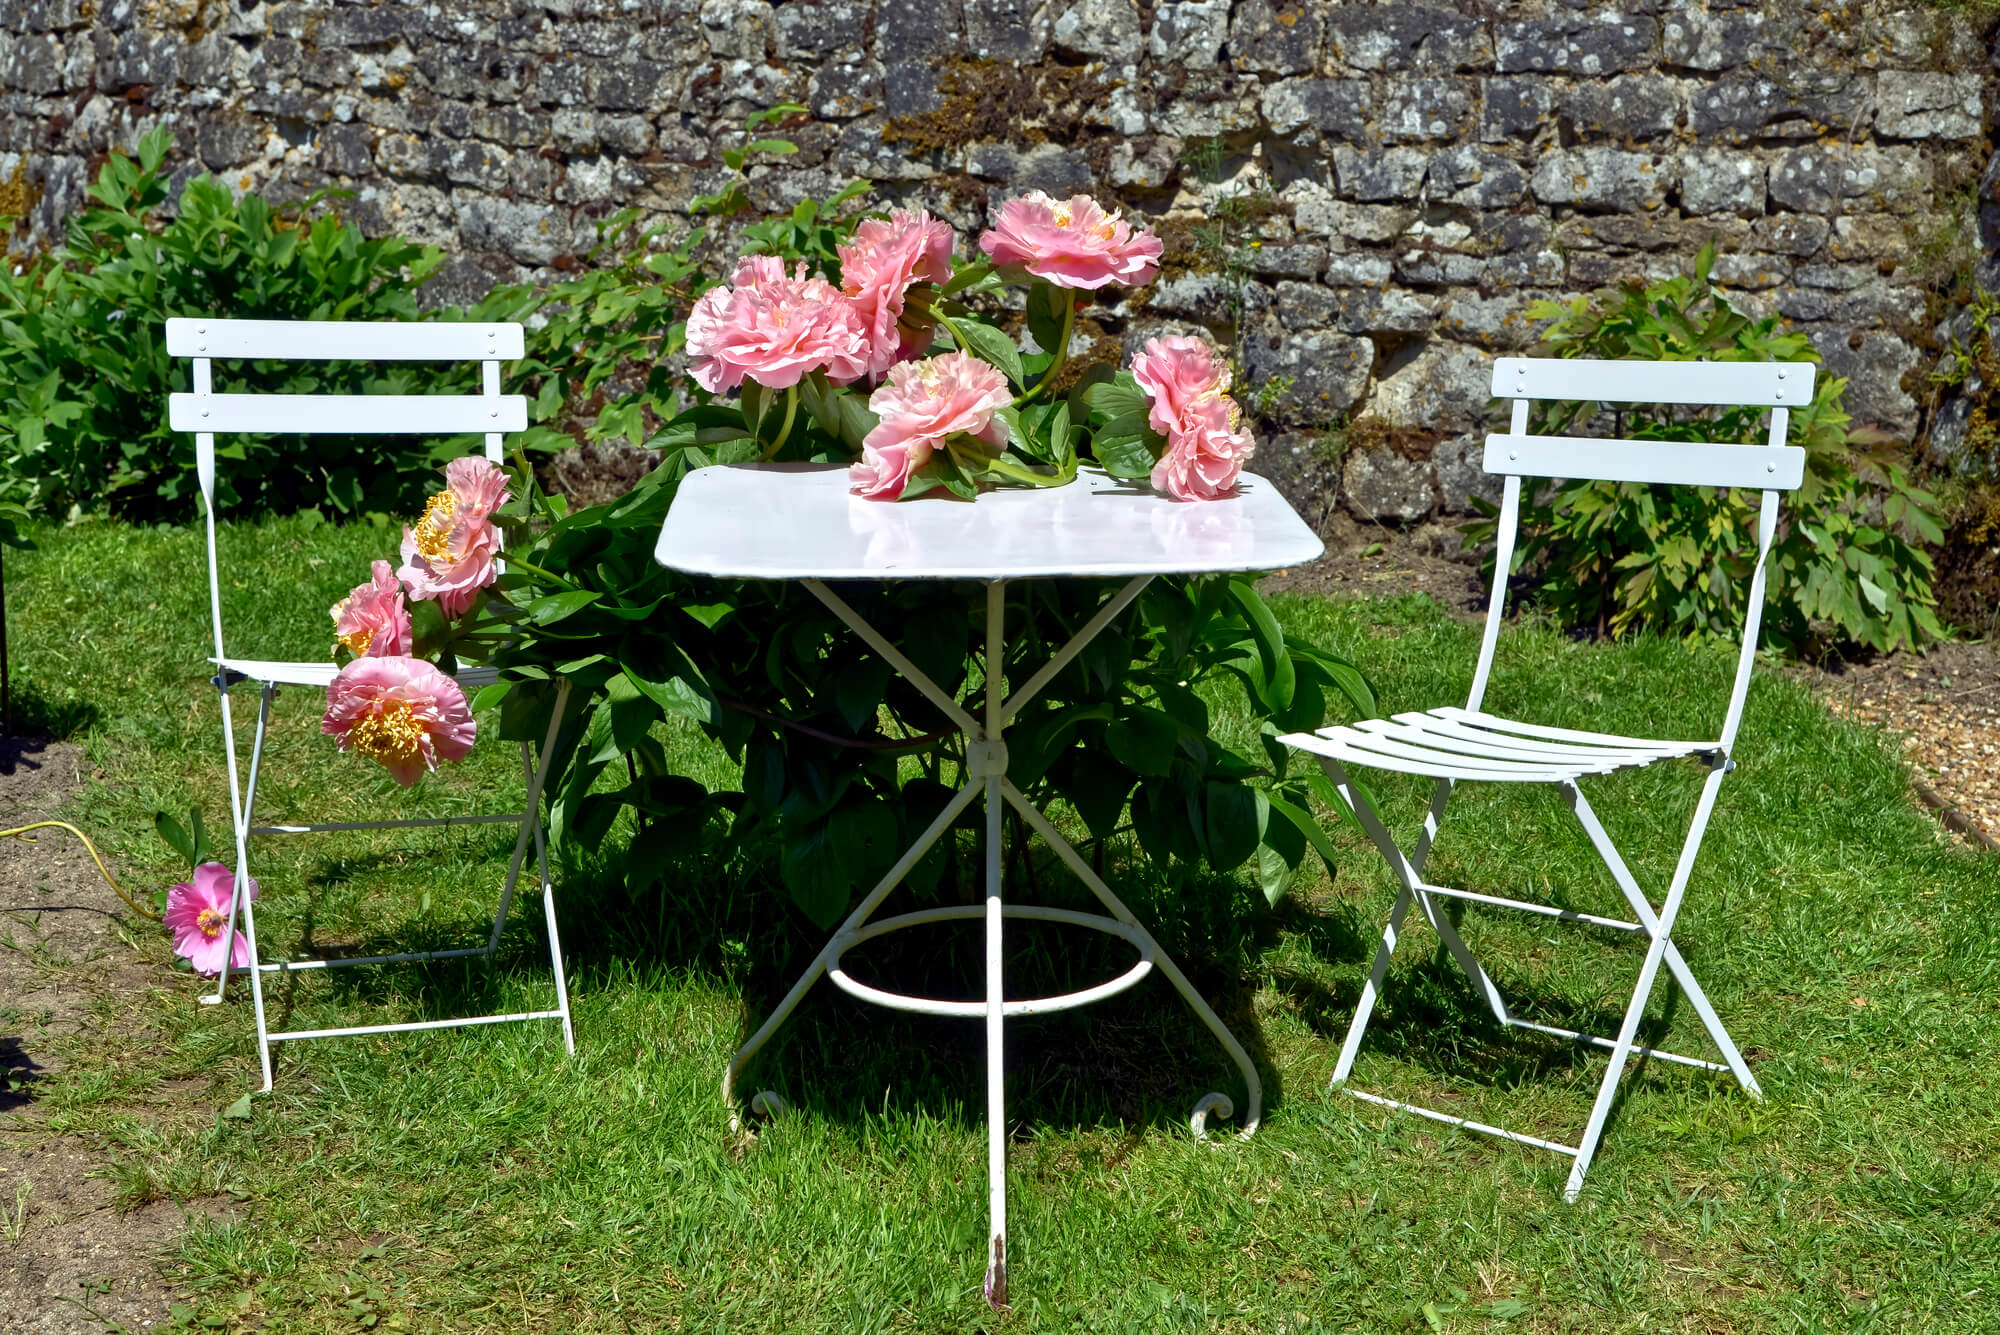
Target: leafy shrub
x=1846, y=564
x=84, y=371
x=843, y=763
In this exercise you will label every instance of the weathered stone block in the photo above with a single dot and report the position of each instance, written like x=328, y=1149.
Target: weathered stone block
x=1869, y=236
x=1753, y=272
x=1709, y=42
x=1106, y=30
x=842, y=90
x=530, y=233
x=1605, y=178
x=740, y=29
x=1574, y=46
x=1716, y=180
x=1476, y=178
x=1147, y=163
x=1005, y=29
x=1383, y=485
x=1305, y=306
x=1396, y=37
x=230, y=141
x=1789, y=234
x=1874, y=363
x=1275, y=41
x=1928, y=106
x=1382, y=310
x=1327, y=371
x=351, y=25
x=346, y=150
x=1514, y=109
x=1811, y=179
x=1499, y=322
x=1188, y=33
x=1389, y=173
x=1327, y=108
x=1287, y=261
x=1363, y=267
x=1633, y=106
x=815, y=29
x=1419, y=109
x=1459, y=465
x=1750, y=106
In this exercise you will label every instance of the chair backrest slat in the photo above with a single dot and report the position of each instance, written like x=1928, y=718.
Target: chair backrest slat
x=348, y=414
x=342, y=341
x=1719, y=384
x=1674, y=462
x=1771, y=469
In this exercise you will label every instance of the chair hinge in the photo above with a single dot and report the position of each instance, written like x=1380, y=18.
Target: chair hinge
x=228, y=677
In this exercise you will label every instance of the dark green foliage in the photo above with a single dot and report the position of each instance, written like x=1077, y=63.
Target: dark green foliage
x=1847, y=564
x=84, y=371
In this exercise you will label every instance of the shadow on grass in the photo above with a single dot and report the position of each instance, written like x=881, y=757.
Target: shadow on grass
x=1141, y=1058
x=37, y=718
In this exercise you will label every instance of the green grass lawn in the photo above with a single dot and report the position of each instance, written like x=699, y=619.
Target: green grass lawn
x=480, y=1180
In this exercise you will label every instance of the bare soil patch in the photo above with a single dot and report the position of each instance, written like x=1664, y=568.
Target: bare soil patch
x=1374, y=560
x=70, y=1259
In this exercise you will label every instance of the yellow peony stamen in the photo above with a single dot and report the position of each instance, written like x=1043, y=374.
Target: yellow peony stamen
x=210, y=922
x=433, y=531
x=392, y=736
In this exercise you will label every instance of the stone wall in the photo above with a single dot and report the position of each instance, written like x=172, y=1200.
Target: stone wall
x=1362, y=199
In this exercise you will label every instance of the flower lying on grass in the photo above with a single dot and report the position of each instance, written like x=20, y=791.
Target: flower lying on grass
x=400, y=712
x=198, y=916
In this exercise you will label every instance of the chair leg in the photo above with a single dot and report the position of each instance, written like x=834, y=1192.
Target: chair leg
x=1661, y=929
x=537, y=777
x=1676, y=964
x=240, y=809
x=241, y=818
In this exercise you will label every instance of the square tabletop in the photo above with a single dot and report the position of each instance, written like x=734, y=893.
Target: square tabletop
x=798, y=521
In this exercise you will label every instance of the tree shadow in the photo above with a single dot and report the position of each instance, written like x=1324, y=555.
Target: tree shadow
x=38, y=717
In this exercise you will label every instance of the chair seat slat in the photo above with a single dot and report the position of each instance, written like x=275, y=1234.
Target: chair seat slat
x=348, y=414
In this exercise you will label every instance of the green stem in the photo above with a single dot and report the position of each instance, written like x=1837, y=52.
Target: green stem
x=956, y=337
x=534, y=569
x=1008, y=469
x=784, y=428
x=1061, y=351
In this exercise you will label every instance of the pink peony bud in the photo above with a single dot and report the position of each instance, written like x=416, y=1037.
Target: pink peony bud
x=1072, y=243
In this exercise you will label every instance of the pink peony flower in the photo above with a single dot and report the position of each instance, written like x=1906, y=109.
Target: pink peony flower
x=774, y=329
x=1187, y=387
x=919, y=405
x=400, y=712
x=1203, y=463
x=449, y=555
x=198, y=916
x=884, y=260
x=1072, y=243
x=374, y=619
x=1178, y=374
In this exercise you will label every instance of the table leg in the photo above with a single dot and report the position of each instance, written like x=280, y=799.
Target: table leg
x=986, y=774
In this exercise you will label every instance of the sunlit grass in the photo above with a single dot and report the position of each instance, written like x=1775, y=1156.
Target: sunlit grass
x=482, y=1181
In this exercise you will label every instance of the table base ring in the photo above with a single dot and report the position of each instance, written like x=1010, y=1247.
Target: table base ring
x=977, y=1009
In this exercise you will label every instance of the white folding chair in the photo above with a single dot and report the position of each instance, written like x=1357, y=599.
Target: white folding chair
x=208, y=414
x=1454, y=745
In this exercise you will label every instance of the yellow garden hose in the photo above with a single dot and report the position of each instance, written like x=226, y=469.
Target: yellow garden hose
x=21, y=832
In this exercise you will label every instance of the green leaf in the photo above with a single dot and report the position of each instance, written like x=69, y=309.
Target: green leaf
x=1125, y=456
x=176, y=836
x=239, y=1111
x=993, y=346
x=546, y=611
x=1047, y=304
x=1236, y=816
x=1143, y=740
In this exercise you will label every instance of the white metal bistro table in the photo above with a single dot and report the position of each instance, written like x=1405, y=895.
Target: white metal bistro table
x=798, y=522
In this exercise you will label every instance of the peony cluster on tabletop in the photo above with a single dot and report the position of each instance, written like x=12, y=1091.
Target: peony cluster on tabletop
x=389, y=702
x=898, y=358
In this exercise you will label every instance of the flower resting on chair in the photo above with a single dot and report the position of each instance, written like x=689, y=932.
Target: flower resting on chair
x=373, y=620
x=198, y=916
x=449, y=555
x=400, y=712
